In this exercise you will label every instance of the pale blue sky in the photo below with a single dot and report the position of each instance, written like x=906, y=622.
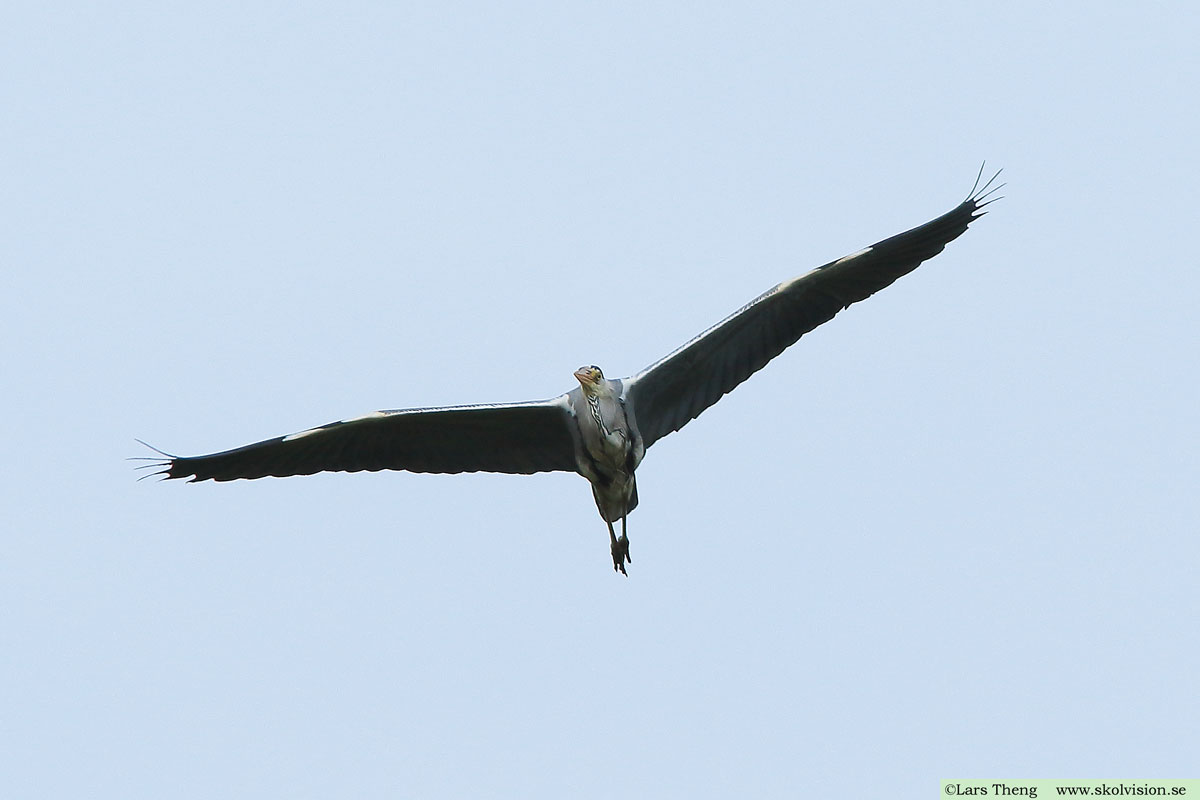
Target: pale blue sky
x=951, y=534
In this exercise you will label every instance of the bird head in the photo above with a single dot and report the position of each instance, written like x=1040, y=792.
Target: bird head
x=590, y=378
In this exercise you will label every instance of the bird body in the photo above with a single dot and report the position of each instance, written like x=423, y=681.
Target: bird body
x=610, y=450
x=610, y=447
x=602, y=428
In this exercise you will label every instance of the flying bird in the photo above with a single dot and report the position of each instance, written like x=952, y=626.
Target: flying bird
x=602, y=428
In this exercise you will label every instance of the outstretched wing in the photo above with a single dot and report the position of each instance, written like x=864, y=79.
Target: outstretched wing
x=673, y=391
x=516, y=438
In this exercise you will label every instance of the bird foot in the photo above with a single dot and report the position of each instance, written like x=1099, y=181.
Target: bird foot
x=620, y=554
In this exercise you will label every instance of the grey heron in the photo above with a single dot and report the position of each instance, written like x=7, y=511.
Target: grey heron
x=602, y=428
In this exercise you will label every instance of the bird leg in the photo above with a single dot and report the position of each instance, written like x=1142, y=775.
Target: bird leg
x=620, y=547
x=624, y=541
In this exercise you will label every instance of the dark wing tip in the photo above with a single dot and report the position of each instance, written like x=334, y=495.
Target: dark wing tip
x=164, y=463
x=978, y=196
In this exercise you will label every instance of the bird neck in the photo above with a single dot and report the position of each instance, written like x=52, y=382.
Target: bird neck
x=597, y=391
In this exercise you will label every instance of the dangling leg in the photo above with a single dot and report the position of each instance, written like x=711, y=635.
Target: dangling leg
x=619, y=553
x=623, y=542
